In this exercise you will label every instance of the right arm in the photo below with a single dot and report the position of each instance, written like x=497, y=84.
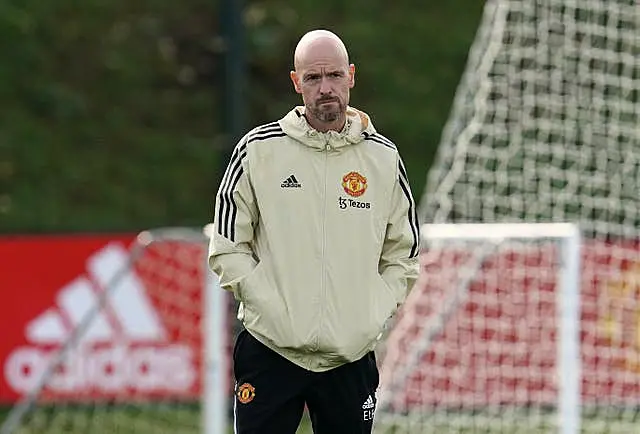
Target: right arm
x=235, y=215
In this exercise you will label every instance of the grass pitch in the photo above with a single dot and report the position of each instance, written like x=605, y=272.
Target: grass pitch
x=185, y=419
x=121, y=420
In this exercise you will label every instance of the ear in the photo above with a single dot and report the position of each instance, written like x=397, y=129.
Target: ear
x=295, y=79
x=352, y=75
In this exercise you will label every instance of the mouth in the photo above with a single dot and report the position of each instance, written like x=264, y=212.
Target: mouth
x=327, y=101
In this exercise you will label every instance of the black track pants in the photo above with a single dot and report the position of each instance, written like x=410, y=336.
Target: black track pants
x=271, y=393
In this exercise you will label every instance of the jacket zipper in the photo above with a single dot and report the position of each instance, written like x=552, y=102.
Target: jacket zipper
x=323, y=281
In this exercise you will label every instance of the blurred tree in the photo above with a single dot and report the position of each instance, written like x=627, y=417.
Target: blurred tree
x=108, y=113
x=108, y=109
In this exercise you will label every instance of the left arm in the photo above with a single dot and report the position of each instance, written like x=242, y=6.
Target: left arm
x=398, y=264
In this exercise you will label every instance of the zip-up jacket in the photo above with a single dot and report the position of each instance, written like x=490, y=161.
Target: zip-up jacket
x=316, y=234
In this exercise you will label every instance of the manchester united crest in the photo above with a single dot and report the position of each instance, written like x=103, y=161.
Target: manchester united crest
x=354, y=184
x=245, y=393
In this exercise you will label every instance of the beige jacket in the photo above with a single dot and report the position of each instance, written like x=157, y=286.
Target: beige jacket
x=317, y=235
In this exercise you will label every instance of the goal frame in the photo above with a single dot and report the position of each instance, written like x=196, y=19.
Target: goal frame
x=568, y=238
x=214, y=400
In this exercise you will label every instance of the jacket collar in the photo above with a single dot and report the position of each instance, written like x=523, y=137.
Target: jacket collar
x=358, y=123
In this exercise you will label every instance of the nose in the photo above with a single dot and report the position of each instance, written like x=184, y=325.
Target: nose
x=325, y=88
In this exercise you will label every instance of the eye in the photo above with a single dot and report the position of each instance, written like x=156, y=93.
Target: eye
x=336, y=74
x=312, y=77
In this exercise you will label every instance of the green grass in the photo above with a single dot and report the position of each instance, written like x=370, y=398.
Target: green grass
x=122, y=420
x=598, y=420
x=185, y=420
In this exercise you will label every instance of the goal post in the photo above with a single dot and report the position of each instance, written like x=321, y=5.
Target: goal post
x=543, y=130
x=216, y=329
x=164, y=366
x=406, y=368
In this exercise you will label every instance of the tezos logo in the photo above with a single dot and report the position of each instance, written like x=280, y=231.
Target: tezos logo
x=345, y=203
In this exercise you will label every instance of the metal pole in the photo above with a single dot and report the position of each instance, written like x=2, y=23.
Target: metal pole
x=234, y=72
x=232, y=84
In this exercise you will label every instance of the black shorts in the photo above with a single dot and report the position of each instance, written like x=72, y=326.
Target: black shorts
x=271, y=393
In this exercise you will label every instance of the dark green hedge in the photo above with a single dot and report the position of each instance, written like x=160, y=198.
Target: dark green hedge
x=110, y=114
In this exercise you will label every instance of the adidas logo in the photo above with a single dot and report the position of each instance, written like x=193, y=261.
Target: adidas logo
x=125, y=345
x=368, y=404
x=290, y=182
x=132, y=313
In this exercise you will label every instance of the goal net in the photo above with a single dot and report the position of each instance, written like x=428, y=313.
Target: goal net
x=544, y=128
x=148, y=351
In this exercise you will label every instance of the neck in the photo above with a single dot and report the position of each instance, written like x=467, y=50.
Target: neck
x=323, y=127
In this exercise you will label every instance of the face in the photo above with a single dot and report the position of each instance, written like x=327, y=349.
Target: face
x=324, y=78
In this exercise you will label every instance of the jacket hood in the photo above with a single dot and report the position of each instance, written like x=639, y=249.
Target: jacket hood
x=358, y=125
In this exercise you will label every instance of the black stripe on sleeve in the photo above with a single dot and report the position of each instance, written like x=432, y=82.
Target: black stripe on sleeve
x=264, y=128
x=229, y=181
x=412, y=214
x=227, y=208
x=403, y=179
x=379, y=139
x=273, y=126
x=266, y=135
x=403, y=171
x=231, y=220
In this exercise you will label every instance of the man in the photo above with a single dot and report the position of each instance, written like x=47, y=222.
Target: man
x=315, y=233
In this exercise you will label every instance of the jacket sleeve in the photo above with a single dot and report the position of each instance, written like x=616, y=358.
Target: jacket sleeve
x=398, y=264
x=231, y=255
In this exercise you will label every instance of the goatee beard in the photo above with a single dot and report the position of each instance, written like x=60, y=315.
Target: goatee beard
x=327, y=116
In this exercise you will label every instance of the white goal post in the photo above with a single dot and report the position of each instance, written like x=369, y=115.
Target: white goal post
x=402, y=362
x=543, y=129
x=176, y=379
x=568, y=296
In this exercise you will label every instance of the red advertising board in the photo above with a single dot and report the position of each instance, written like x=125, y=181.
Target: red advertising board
x=144, y=343
x=499, y=345
x=497, y=342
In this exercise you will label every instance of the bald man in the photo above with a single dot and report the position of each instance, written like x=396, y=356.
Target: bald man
x=316, y=235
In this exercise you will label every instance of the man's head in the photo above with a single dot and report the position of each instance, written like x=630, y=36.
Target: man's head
x=323, y=76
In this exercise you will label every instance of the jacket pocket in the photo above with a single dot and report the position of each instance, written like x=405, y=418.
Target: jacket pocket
x=245, y=285
x=386, y=287
x=264, y=307
x=384, y=304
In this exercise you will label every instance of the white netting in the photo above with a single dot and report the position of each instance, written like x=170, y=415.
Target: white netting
x=545, y=128
x=134, y=363
x=545, y=123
